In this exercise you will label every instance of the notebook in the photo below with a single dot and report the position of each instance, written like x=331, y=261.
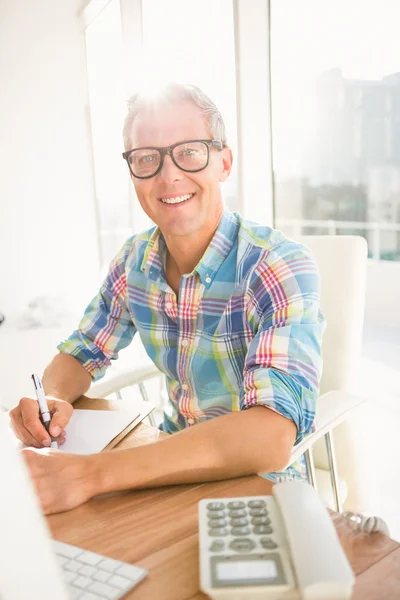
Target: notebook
x=90, y=431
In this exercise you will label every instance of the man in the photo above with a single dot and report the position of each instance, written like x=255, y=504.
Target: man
x=227, y=309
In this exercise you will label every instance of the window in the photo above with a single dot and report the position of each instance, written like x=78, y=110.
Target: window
x=335, y=85
x=107, y=111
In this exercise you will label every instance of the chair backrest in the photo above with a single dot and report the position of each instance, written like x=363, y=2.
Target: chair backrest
x=342, y=262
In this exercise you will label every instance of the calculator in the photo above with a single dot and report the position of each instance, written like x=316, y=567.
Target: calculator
x=282, y=546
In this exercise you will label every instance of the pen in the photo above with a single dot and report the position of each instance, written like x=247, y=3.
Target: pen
x=44, y=409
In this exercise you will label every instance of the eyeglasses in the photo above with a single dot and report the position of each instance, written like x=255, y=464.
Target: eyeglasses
x=190, y=156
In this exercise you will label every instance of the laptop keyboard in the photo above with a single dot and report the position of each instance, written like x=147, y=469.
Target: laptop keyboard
x=91, y=576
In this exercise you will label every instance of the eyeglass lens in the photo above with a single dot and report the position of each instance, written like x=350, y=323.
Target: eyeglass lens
x=190, y=156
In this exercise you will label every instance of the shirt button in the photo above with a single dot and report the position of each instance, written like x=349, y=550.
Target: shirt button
x=190, y=421
x=185, y=386
x=208, y=279
x=169, y=305
x=185, y=343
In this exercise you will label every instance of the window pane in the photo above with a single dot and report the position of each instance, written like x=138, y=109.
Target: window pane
x=336, y=119
x=107, y=111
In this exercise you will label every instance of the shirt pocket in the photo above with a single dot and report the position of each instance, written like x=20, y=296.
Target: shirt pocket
x=218, y=364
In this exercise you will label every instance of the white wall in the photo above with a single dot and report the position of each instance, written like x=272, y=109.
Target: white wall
x=48, y=242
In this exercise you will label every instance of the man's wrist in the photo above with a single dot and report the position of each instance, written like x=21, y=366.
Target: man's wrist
x=98, y=474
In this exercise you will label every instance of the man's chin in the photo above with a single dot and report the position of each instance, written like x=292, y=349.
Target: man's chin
x=180, y=230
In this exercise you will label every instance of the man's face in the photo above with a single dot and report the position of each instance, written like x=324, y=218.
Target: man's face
x=165, y=126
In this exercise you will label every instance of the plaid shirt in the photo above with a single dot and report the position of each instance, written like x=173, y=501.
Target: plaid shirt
x=246, y=330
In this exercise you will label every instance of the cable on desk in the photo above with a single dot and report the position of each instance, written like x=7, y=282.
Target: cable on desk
x=364, y=524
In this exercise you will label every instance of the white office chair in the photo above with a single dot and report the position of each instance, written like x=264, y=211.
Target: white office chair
x=342, y=264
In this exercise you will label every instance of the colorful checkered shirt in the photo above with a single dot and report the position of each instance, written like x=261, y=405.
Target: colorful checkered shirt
x=245, y=331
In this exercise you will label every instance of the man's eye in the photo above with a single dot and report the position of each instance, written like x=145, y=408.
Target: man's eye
x=189, y=152
x=149, y=158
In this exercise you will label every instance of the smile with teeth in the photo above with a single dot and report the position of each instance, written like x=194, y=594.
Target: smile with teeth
x=177, y=199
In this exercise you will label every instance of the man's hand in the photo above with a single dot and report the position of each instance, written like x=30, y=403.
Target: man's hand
x=63, y=481
x=27, y=426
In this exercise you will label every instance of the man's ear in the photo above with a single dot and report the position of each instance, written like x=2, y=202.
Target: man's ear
x=226, y=164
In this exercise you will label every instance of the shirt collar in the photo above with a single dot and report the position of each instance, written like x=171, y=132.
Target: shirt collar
x=154, y=256
x=219, y=248
x=215, y=254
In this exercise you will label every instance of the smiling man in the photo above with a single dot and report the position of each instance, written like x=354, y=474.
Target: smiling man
x=227, y=309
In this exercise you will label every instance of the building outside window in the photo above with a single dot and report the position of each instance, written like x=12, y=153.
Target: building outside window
x=335, y=85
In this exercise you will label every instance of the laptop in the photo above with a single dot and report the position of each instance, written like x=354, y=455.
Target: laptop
x=32, y=565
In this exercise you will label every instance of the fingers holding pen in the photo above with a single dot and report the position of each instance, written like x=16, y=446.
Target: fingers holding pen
x=28, y=427
x=61, y=412
x=54, y=413
x=26, y=423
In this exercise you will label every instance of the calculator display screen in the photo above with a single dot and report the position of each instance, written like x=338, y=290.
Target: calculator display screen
x=245, y=570
x=257, y=569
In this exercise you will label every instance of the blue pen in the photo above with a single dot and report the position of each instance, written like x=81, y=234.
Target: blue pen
x=43, y=408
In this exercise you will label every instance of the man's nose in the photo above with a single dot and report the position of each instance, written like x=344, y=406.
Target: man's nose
x=169, y=172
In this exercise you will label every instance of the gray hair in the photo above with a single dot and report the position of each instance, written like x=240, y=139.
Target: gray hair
x=175, y=92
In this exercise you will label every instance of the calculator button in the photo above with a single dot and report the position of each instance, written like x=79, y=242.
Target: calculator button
x=236, y=504
x=215, y=506
x=268, y=543
x=238, y=521
x=240, y=530
x=242, y=545
x=258, y=512
x=217, y=531
x=216, y=522
x=217, y=546
x=262, y=529
x=237, y=512
x=261, y=521
x=216, y=514
x=257, y=504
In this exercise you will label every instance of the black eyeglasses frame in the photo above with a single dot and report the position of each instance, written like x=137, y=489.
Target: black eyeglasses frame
x=168, y=150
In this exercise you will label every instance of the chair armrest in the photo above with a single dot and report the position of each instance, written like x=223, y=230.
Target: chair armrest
x=120, y=380
x=332, y=409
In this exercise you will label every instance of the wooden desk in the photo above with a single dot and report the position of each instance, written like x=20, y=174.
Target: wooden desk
x=157, y=529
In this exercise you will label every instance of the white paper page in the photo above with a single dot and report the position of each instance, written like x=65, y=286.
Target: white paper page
x=89, y=431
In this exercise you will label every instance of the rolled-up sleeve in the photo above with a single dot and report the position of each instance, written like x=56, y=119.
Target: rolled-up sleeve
x=284, y=363
x=106, y=326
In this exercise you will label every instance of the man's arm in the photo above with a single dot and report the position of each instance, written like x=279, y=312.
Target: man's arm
x=106, y=328
x=284, y=359
x=241, y=443
x=65, y=378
